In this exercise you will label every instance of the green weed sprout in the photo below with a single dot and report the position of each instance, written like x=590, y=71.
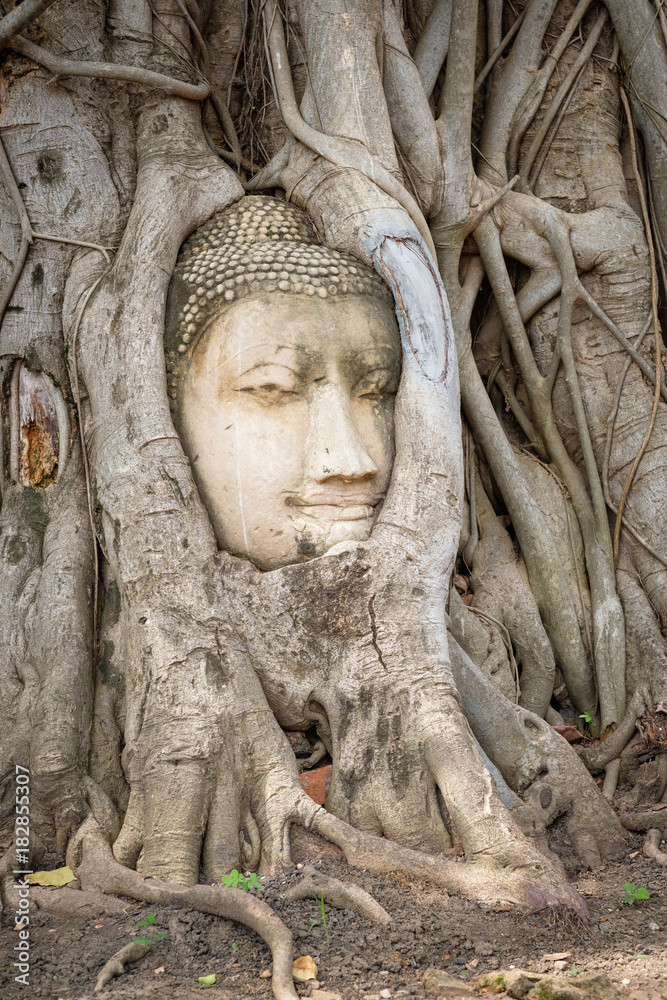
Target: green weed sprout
x=323, y=921
x=633, y=893
x=154, y=938
x=235, y=880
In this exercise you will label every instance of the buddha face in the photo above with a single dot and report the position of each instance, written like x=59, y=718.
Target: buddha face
x=286, y=414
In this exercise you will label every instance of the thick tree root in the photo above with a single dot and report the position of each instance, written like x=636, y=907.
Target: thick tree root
x=116, y=964
x=597, y=757
x=66, y=902
x=649, y=817
x=611, y=774
x=316, y=885
x=98, y=869
x=534, y=884
x=651, y=847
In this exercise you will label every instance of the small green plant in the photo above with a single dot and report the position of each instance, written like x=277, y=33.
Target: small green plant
x=633, y=893
x=235, y=880
x=155, y=937
x=586, y=717
x=207, y=980
x=323, y=921
x=234, y=947
x=574, y=971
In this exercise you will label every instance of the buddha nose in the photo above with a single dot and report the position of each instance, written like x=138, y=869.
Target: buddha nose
x=335, y=448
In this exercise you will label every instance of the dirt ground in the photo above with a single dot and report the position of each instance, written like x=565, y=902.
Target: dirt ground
x=355, y=957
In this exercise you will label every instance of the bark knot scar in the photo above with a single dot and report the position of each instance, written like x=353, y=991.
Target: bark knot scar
x=371, y=613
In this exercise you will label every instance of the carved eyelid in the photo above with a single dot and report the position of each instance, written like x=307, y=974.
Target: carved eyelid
x=380, y=379
x=271, y=373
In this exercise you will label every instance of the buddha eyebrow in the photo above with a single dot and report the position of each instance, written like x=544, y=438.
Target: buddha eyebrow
x=267, y=364
x=237, y=357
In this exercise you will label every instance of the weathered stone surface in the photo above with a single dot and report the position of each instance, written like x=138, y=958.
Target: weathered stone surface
x=440, y=984
x=517, y=982
x=599, y=985
x=554, y=989
x=524, y=985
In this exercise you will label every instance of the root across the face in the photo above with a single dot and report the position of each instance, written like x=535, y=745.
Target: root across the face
x=317, y=885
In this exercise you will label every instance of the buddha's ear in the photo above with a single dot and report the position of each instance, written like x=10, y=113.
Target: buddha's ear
x=39, y=428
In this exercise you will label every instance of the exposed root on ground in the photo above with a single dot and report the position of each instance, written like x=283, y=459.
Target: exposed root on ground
x=651, y=847
x=116, y=964
x=317, y=885
x=649, y=817
x=599, y=755
x=533, y=883
x=96, y=868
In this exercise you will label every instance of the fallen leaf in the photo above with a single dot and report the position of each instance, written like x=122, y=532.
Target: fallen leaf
x=59, y=876
x=266, y=974
x=304, y=969
x=207, y=980
x=556, y=956
x=570, y=733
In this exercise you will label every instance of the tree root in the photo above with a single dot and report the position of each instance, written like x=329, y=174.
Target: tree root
x=21, y=17
x=611, y=774
x=318, y=753
x=109, y=71
x=596, y=758
x=656, y=325
x=96, y=867
x=341, y=152
x=651, y=846
x=529, y=881
x=649, y=817
x=66, y=902
x=535, y=884
x=116, y=964
x=344, y=897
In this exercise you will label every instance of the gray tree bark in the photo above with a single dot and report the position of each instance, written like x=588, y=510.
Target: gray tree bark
x=148, y=677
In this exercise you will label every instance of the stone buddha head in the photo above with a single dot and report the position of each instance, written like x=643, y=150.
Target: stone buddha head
x=283, y=360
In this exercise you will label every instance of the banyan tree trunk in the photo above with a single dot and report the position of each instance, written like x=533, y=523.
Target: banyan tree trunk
x=148, y=676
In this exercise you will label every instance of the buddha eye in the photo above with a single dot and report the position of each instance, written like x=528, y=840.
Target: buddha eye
x=278, y=384
x=378, y=385
x=269, y=392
